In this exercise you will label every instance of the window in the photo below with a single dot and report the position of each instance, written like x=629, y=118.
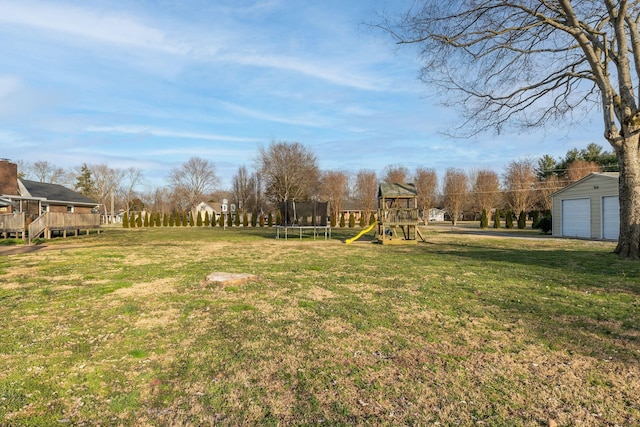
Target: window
x=70, y=208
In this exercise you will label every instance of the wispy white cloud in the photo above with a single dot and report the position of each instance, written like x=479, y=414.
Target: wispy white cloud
x=86, y=24
x=165, y=133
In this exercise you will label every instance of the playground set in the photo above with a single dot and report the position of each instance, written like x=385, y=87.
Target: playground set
x=397, y=217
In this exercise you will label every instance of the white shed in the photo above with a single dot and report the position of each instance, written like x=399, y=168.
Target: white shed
x=588, y=208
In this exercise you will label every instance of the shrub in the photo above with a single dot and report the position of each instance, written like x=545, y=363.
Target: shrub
x=484, y=219
x=165, y=220
x=236, y=220
x=522, y=220
x=254, y=219
x=171, y=220
x=372, y=218
x=125, y=221
x=139, y=221
x=342, y=221
x=508, y=222
x=362, y=223
x=261, y=221
x=352, y=220
x=245, y=219
x=496, y=219
x=334, y=222
x=145, y=220
x=545, y=224
x=185, y=219
x=221, y=220
x=270, y=219
x=207, y=221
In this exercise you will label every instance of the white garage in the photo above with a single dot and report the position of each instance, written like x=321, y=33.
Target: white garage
x=588, y=208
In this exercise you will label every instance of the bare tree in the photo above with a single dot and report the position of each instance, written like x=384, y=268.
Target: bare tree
x=366, y=190
x=47, y=172
x=126, y=191
x=395, y=174
x=289, y=170
x=454, y=192
x=578, y=169
x=334, y=187
x=242, y=187
x=546, y=188
x=534, y=63
x=105, y=181
x=520, y=180
x=426, y=182
x=192, y=181
x=486, y=191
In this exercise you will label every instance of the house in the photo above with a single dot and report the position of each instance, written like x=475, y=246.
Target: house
x=41, y=207
x=436, y=214
x=588, y=208
x=214, y=210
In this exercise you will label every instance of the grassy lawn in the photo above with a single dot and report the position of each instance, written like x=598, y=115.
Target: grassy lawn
x=121, y=329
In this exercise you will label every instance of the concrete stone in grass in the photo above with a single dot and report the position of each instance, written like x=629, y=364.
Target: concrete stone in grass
x=229, y=279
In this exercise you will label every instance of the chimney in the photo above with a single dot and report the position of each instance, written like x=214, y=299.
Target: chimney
x=8, y=178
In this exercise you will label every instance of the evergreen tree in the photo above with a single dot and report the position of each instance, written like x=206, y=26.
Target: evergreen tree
x=139, y=221
x=362, y=223
x=352, y=220
x=245, y=219
x=236, y=220
x=165, y=220
x=125, y=220
x=152, y=220
x=207, y=221
x=333, y=219
x=221, y=220
x=254, y=219
x=229, y=220
x=278, y=219
x=484, y=219
x=84, y=182
x=535, y=217
x=185, y=219
x=522, y=220
x=199, y=220
x=372, y=217
x=508, y=223
x=261, y=221
x=342, y=220
x=496, y=219
x=172, y=220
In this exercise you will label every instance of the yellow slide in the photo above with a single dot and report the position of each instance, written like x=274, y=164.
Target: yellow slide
x=360, y=234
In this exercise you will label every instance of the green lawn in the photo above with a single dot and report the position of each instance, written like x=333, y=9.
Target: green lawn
x=122, y=329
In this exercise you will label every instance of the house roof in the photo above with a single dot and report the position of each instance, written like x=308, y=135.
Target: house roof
x=54, y=193
x=594, y=175
x=4, y=203
x=397, y=190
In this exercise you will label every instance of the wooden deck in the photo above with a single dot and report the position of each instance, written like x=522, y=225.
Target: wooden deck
x=16, y=224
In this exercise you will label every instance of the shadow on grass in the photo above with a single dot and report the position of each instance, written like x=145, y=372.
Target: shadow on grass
x=584, y=301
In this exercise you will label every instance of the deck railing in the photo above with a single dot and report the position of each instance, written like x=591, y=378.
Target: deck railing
x=12, y=223
x=49, y=221
x=399, y=216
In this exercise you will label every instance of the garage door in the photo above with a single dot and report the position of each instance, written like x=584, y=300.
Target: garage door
x=576, y=218
x=610, y=217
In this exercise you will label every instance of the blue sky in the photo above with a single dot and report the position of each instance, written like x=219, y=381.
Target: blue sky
x=150, y=84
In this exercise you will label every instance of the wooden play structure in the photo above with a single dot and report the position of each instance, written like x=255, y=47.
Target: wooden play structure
x=398, y=214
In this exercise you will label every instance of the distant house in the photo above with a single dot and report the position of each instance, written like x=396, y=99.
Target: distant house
x=214, y=210
x=41, y=207
x=436, y=214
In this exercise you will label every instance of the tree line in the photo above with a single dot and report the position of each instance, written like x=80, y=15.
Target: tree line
x=289, y=171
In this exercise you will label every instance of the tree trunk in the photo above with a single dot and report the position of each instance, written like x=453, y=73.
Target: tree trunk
x=629, y=195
